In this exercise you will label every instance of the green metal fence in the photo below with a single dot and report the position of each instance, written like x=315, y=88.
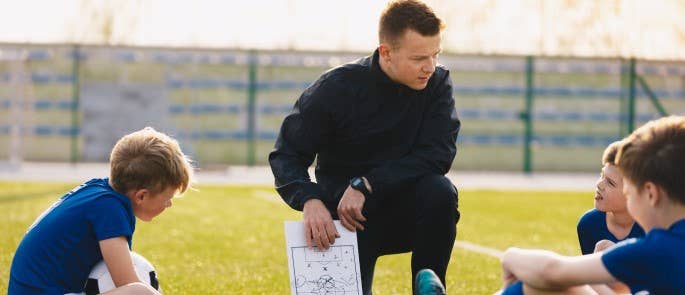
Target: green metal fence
x=519, y=113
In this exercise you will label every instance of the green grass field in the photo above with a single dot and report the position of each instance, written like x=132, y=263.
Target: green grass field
x=229, y=239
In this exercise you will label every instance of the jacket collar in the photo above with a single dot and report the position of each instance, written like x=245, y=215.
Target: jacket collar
x=383, y=79
x=377, y=72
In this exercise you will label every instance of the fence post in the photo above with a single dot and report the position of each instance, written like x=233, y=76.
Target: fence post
x=622, y=103
x=528, y=115
x=631, y=96
x=76, y=97
x=652, y=96
x=251, y=108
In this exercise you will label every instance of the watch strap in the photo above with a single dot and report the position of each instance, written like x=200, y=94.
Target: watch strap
x=359, y=184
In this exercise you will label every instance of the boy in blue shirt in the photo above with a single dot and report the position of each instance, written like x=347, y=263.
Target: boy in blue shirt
x=96, y=220
x=609, y=220
x=651, y=161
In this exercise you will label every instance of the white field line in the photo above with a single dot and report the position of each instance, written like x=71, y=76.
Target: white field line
x=273, y=197
x=478, y=248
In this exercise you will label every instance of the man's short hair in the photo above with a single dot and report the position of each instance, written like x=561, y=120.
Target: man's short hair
x=609, y=156
x=400, y=15
x=655, y=152
x=148, y=159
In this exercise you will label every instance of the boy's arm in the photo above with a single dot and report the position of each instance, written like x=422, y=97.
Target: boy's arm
x=117, y=257
x=548, y=270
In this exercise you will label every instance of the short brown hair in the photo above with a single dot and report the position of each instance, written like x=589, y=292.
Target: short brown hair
x=148, y=159
x=609, y=156
x=400, y=15
x=655, y=152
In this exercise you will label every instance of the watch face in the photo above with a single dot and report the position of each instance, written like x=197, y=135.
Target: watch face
x=356, y=181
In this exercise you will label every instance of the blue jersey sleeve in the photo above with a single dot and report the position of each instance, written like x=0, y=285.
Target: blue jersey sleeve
x=634, y=262
x=110, y=218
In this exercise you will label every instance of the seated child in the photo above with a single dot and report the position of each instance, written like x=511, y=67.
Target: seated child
x=609, y=220
x=96, y=220
x=651, y=161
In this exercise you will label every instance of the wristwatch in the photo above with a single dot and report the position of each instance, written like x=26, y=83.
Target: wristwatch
x=358, y=184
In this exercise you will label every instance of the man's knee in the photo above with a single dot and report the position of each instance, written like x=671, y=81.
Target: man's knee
x=436, y=192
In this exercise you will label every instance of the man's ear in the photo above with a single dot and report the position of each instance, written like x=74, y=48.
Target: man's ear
x=655, y=194
x=384, y=51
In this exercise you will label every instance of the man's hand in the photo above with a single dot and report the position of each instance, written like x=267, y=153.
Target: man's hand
x=319, y=229
x=350, y=209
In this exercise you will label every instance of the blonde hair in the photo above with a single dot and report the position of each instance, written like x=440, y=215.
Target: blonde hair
x=655, y=152
x=148, y=159
x=609, y=156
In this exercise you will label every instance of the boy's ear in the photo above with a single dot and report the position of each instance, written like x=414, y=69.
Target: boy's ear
x=140, y=195
x=654, y=193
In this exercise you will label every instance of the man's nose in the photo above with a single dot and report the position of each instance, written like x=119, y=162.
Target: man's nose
x=429, y=66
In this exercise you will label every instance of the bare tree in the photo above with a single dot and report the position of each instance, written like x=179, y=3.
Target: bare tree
x=107, y=22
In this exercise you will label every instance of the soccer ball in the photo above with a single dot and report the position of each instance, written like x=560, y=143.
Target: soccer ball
x=100, y=281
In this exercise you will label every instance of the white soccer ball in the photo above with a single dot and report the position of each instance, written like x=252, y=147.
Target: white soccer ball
x=99, y=279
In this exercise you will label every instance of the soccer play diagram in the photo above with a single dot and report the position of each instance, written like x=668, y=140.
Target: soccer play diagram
x=330, y=272
x=327, y=272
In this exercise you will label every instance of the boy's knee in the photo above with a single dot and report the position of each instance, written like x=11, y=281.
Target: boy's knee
x=136, y=288
x=576, y=290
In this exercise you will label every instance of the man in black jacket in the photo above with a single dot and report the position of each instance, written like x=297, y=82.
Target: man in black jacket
x=384, y=130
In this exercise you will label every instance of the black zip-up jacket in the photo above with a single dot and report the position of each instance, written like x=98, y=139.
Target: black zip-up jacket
x=358, y=122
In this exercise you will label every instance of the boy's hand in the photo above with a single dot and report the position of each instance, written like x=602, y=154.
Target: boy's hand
x=508, y=278
x=603, y=245
x=319, y=229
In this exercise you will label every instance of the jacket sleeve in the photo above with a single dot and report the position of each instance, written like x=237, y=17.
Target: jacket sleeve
x=302, y=133
x=435, y=149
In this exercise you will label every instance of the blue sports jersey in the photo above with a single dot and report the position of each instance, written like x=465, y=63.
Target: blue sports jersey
x=592, y=228
x=61, y=247
x=656, y=261
x=514, y=289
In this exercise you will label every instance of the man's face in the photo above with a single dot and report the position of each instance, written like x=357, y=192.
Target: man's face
x=412, y=60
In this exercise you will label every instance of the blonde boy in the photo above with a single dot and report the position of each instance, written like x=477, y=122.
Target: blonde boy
x=609, y=221
x=96, y=220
